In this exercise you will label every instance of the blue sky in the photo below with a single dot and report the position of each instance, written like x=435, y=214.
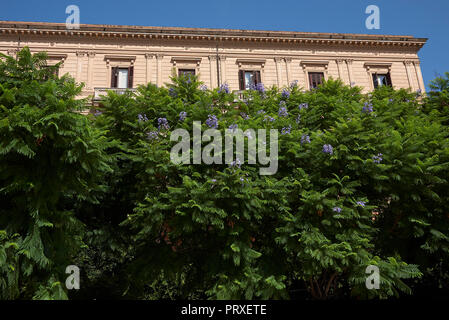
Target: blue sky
x=428, y=19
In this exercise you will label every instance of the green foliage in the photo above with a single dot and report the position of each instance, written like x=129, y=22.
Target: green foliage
x=51, y=158
x=100, y=191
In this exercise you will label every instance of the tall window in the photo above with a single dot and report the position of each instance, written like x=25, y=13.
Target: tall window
x=248, y=79
x=315, y=79
x=122, y=77
x=186, y=72
x=380, y=80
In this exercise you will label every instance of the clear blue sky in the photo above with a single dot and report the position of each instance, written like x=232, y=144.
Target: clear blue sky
x=428, y=19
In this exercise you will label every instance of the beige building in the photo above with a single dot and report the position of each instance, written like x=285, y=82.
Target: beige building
x=108, y=56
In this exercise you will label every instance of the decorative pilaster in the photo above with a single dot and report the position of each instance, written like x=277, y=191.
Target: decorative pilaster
x=213, y=71
x=340, y=63
x=349, y=66
x=159, y=57
x=90, y=73
x=149, y=61
x=419, y=76
x=306, y=78
x=278, y=62
x=407, y=65
x=288, y=62
x=223, y=68
x=79, y=65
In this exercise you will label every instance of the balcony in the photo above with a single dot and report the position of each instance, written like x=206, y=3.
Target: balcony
x=98, y=92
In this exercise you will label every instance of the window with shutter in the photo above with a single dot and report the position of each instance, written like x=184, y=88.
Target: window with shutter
x=380, y=80
x=114, y=76
x=315, y=79
x=248, y=79
x=130, y=77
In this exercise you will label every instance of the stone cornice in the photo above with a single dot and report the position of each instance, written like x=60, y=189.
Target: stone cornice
x=168, y=33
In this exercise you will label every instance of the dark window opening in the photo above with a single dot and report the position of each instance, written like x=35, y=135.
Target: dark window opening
x=248, y=79
x=122, y=78
x=315, y=79
x=380, y=80
x=185, y=72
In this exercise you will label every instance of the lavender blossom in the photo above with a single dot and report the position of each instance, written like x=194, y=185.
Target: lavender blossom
x=142, y=117
x=203, y=87
x=268, y=118
x=303, y=106
x=327, y=148
x=163, y=124
x=182, y=115
x=283, y=112
x=361, y=203
x=378, y=158
x=172, y=92
x=152, y=135
x=236, y=163
x=233, y=127
x=212, y=121
x=368, y=108
x=224, y=88
x=293, y=84
x=97, y=113
x=261, y=112
x=260, y=87
x=244, y=115
x=305, y=139
x=286, y=130
x=336, y=209
x=285, y=93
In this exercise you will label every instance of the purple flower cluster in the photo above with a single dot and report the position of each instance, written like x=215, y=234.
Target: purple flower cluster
x=327, y=148
x=97, y=113
x=203, y=87
x=224, y=88
x=236, y=163
x=172, y=92
x=336, y=209
x=244, y=115
x=305, y=139
x=268, y=118
x=285, y=93
x=233, y=127
x=286, y=130
x=293, y=84
x=283, y=110
x=152, y=135
x=378, y=158
x=418, y=93
x=298, y=118
x=142, y=117
x=163, y=124
x=212, y=121
x=182, y=115
x=361, y=203
x=261, y=112
x=303, y=106
x=368, y=108
x=260, y=87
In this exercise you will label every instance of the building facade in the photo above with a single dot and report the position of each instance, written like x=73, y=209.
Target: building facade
x=119, y=57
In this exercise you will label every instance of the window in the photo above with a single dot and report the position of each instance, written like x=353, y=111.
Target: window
x=122, y=77
x=54, y=71
x=315, y=79
x=248, y=79
x=380, y=80
x=186, y=72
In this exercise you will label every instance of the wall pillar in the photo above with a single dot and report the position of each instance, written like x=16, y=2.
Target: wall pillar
x=223, y=76
x=288, y=62
x=407, y=64
x=213, y=71
x=419, y=76
x=148, y=64
x=350, y=74
x=159, y=57
x=90, y=71
x=278, y=71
